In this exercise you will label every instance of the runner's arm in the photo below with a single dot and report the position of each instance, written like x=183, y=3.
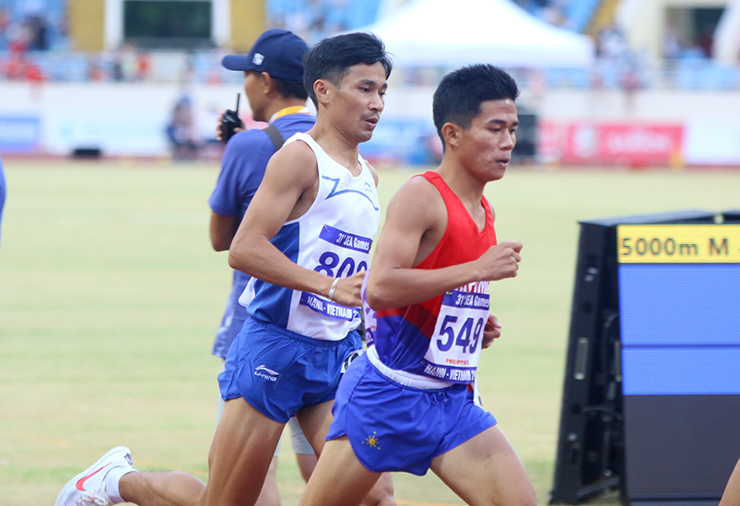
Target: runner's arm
x=291, y=179
x=418, y=209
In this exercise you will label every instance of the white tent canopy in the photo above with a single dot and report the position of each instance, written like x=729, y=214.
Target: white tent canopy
x=463, y=32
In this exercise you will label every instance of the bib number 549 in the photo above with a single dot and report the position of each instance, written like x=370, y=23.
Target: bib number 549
x=468, y=334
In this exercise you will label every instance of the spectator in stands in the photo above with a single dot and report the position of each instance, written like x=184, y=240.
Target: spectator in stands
x=94, y=70
x=117, y=68
x=38, y=32
x=705, y=40
x=630, y=82
x=4, y=24
x=554, y=16
x=143, y=65
x=181, y=131
x=21, y=68
x=612, y=44
x=671, y=45
x=18, y=37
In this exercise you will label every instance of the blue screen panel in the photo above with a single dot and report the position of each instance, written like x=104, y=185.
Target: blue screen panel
x=681, y=371
x=679, y=305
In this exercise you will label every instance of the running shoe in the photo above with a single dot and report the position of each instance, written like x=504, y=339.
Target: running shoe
x=88, y=487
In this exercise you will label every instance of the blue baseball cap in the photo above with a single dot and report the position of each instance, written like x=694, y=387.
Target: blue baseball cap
x=277, y=52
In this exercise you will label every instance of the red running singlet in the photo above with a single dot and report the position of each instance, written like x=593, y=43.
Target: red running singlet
x=441, y=337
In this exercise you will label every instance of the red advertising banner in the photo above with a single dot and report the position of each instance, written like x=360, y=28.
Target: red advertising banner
x=618, y=144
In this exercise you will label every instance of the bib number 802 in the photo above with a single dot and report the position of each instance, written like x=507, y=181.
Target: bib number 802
x=467, y=337
x=329, y=260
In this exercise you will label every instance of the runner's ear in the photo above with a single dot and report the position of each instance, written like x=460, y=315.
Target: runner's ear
x=451, y=133
x=324, y=90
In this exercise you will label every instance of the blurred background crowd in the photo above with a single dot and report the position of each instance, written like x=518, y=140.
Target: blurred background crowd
x=165, y=57
x=38, y=43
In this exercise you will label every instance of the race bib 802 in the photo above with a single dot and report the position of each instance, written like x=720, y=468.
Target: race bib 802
x=338, y=254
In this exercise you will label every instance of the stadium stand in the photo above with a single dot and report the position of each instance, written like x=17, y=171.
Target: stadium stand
x=34, y=46
x=580, y=13
x=35, y=25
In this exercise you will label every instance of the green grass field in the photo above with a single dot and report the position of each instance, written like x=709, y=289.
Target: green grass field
x=110, y=296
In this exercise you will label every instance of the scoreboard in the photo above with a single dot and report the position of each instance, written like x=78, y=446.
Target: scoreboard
x=651, y=399
x=679, y=310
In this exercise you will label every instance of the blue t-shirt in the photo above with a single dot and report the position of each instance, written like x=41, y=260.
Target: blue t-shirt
x=242, y=169
x=2, y=192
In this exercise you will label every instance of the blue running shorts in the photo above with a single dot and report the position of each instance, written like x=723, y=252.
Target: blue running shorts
x=278, y=371
x=392, y=427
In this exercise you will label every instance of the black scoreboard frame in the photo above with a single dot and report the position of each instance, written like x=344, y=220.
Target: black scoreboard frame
x=591, y=442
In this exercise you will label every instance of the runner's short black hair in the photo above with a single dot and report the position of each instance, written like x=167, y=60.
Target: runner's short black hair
x=332, y=58
x=459, y=96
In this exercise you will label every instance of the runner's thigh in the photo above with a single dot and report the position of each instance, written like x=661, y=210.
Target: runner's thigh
x=243, y=445
x=485, y=470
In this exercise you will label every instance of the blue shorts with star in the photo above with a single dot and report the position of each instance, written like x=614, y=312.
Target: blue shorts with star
x=278, y=371
x=392, y=427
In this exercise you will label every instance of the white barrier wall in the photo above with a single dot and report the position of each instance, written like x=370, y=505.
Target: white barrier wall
x=710, y=121
x=131, y=118
x=118, y=118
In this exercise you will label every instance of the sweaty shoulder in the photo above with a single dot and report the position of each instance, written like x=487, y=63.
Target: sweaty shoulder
x=297, y=151
x=420, y=186
x=295, y=161
x=417, y=212
x=421, y=199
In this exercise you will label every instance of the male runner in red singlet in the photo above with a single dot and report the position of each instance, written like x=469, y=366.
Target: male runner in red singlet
x=405, y=405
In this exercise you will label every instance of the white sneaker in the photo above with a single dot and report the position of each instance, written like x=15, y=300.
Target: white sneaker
x=88, y=487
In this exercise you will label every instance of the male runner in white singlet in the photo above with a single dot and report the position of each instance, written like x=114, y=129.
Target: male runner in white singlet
x=306, y=238
x=406, y=405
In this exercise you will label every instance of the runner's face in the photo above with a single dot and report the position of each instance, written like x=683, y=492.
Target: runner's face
x=359, y=100
x=485, y=148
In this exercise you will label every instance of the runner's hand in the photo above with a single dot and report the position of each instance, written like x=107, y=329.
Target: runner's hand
x=348, y=290
x=500, y=261
x=491, y=331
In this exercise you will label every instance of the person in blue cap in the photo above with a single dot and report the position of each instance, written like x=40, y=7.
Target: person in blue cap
x=273, y=84
x=305, y=238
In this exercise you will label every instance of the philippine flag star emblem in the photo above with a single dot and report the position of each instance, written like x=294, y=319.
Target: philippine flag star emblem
x=372, y=441
x=258, y=58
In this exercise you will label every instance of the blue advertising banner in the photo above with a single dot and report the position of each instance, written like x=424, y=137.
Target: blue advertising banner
x=19, y=134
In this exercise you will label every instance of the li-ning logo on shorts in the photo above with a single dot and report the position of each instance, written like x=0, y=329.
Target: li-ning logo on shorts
x=265, y=373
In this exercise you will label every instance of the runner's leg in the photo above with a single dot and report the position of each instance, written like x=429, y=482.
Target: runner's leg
x=269, y=496
x=315, y=422
x=485, y=470
x=339, y=478
x=304, y=454
x=240, y=456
